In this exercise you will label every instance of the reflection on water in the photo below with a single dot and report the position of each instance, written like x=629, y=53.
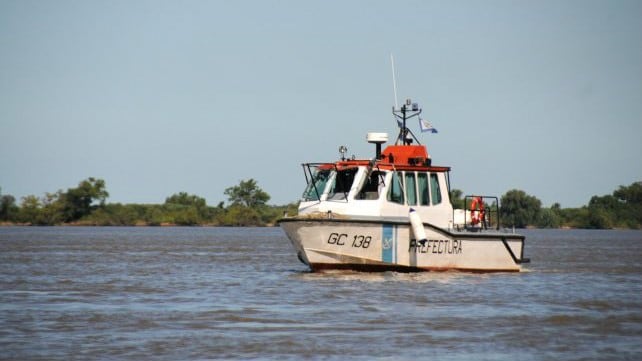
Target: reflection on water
x=221, y=293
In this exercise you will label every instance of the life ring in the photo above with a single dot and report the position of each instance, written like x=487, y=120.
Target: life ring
x=477, y=212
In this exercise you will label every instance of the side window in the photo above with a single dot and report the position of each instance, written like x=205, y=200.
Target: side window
x=372, y=185
x=435, y=191
x=396, y=191
x=424, y=195
x=411, y=188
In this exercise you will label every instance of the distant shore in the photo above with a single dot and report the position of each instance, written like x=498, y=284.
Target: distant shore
x=85, y=205
x=209, y=225
x=81, y=224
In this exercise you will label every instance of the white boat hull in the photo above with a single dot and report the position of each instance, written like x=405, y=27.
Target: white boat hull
x=380, y=245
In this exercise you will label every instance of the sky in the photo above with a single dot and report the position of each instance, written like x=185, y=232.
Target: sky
x=161, y=97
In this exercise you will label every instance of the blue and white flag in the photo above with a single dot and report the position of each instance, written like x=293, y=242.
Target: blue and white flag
x=425, y=126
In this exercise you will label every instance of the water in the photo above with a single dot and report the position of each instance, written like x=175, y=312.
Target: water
x=240, y=293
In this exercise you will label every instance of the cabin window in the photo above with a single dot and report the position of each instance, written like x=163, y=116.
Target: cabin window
x=342, y=183
x=411, y=188
x=315, y=188
x=424, y=195
x=396, y=188
x=435, y=191
x=372, y=186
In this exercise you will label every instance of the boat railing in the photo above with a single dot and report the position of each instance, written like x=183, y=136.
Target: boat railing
x=481, y=212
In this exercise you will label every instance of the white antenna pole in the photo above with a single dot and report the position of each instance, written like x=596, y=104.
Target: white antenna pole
x=394, y=80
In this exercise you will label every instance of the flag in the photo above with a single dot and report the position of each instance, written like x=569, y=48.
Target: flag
x=399, y=123
x=425, y=126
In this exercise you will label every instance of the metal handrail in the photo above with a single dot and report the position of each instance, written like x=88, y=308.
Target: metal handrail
x=493, y=208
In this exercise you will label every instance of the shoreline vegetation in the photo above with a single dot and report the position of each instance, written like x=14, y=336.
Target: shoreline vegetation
x=85, y=205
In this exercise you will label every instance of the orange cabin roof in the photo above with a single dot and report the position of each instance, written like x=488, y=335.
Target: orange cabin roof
x=405, y=154
x=401, y=157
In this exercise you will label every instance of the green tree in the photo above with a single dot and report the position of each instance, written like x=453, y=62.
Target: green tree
x=602, y=212
x=30, y=208
x=622, y=208
x=186, y=209
x=457, y=198
x=549, y=218
x=153, y=215
x=575, y=217
x=631, y=194
x=247, y=194
x=188, y=216
x=80, y=201
x=519, y=209
x=8, y=208
x=239, y=215
x=185, y=199
x=630, y=207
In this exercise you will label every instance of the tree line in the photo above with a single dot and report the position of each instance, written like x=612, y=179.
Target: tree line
x=85, y=205
x=621, y=209
x=247, y=206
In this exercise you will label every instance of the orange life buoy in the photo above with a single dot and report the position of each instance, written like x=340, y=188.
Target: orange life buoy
x=477, y=210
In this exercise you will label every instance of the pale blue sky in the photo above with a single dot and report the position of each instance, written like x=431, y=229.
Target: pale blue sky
x=158, y=97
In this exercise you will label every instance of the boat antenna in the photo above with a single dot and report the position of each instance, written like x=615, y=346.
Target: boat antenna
x=402, y=115
x=394, y=80
x=407, y=111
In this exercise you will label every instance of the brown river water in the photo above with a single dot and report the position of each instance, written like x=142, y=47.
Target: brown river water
x=156, y=293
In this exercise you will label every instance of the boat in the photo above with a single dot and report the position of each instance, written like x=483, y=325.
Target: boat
x=393, y=212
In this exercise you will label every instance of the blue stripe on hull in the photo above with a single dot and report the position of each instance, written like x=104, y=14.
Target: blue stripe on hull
x=388, y=243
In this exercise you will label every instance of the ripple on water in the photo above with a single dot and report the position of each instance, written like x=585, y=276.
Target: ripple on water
x=208, y=293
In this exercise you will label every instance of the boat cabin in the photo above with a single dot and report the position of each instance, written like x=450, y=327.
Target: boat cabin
x=399, y=178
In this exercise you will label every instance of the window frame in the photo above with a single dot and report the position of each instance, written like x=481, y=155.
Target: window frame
x=435, y=196
x=423, y=192
x=411, y=192
x=396, y=181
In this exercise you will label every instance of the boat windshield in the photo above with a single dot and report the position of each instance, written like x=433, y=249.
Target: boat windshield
x=372, y=185
x=316, y=186
x=342, y=184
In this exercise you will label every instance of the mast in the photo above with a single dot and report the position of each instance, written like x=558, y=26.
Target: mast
x=407, y=111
